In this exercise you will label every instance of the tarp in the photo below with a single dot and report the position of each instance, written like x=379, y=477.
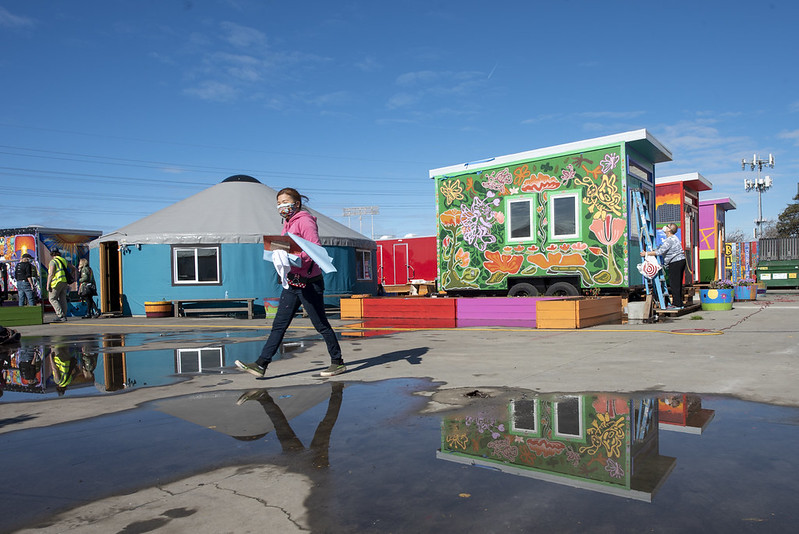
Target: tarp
x=228, y=212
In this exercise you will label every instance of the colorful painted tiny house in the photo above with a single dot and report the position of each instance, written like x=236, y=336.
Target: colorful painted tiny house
x=712, y=226
x=677, y=200
x=551, y=221
x=602, y=442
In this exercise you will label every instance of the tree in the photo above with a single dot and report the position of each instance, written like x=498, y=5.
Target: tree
x=788, y=220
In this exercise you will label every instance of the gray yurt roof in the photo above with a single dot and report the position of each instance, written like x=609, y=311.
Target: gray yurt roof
x=240, y=209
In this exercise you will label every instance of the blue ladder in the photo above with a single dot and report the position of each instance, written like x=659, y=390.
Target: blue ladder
x=647, y=235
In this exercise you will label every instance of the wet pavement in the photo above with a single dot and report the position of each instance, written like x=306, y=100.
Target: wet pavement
x=475, y=430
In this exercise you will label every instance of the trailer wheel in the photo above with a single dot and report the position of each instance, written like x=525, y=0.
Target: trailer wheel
x=523, y=289
x=562, y=289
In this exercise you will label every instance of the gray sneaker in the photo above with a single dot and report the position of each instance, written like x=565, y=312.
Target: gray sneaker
x=334, y=369
x=252, y=368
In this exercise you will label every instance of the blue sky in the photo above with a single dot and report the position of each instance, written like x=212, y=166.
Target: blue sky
x=114, y=109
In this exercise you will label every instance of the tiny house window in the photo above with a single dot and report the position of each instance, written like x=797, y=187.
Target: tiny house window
x=524, y=416
x=363, y=264
x=521, y=225
x=196, y=265
x=563, y=211
x=568, y=416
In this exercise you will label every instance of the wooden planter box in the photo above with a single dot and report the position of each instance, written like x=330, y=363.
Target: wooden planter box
x=578, y=312
x=419, y=308
x=351, y=308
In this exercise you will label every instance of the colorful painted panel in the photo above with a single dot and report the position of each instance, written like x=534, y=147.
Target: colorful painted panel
x=561, y=215
x=600, y=439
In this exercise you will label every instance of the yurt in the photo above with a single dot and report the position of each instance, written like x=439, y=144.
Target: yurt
x=210, y=246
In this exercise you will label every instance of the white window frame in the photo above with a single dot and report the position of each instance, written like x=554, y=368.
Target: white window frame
x=218, y=253
x=536, y=417
x=366, y=263
x=530, y=200
x=181, y=353
x=580, y=419
x=551, y=213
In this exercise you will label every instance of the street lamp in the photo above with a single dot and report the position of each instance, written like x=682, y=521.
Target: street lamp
x=360, y=212
x=760, y=185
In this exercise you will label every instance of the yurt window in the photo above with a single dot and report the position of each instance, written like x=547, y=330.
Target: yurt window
x=195, y=265
x=363, y=264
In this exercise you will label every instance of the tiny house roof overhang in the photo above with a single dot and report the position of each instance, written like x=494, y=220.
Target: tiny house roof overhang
x=34, y=228
x=639, y=140
x=691, y=180
x=726, y=204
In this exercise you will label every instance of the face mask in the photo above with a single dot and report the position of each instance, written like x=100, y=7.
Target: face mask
x=287, y=209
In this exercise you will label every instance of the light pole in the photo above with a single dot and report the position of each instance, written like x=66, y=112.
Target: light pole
x=760, y=185
x=360, y=212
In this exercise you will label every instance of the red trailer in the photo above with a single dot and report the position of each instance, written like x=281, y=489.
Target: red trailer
x=401, y=261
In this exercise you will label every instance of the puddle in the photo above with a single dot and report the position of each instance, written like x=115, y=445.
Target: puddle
x=497, y=460
x=93, y=365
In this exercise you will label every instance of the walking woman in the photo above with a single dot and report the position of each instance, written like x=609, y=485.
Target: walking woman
x=87, y=288
x=305, y=286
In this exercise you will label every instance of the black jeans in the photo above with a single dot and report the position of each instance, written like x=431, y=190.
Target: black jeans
x=312, y=299
x=675, y=271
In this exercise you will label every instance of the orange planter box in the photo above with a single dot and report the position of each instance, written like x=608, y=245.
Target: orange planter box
x=418, y=308
x=578, y=312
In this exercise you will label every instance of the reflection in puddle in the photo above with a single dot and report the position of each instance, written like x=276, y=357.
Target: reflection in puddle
x=91, y=365
x=601, y=442
x=367, y=451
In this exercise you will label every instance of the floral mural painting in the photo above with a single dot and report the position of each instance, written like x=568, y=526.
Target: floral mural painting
x=501, y=265
x=608, y=231
x=476, y=250
x=600, y=453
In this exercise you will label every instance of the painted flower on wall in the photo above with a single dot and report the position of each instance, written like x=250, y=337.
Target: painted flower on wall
x=601, y=198
x=605, y=434
x=450, y=219
x=608, y=230
x=609, y=162
x=614, y=468
x=540, y=182
x=504, y=263
x=476, y=223
x=520, y=174
x=462, y=258
x=452, y=190
x=567, y=174
x=497, y=180
x=556, y=258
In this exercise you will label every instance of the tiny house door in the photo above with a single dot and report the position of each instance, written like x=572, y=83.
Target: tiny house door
x=381, y=265
x=401, y=263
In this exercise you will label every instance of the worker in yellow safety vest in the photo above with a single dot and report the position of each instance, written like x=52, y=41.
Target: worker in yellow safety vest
x=58, y=285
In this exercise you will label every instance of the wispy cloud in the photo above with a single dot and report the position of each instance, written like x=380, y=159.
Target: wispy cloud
x=792, y=136
x=239, y=62
x=435, y=89
x=9, y=20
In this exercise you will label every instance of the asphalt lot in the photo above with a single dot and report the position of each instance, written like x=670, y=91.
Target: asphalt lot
x=748, y=353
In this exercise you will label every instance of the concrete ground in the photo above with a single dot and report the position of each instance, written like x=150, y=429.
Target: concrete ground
x=750, y=352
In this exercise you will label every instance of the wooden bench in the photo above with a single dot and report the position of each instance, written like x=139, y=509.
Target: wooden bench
x=242, y=304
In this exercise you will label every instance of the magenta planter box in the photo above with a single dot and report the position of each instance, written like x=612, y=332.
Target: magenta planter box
x=497, y=311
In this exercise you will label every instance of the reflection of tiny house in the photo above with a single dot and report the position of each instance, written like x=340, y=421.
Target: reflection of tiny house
x=677, y=201
x=552, y=220
x=603, y=442
x=712, y=226
x=400, y=260
x=684, y=413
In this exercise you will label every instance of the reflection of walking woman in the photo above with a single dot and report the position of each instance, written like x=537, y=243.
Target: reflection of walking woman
x=87, y=288
x=305, y=286
x=674, y=261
